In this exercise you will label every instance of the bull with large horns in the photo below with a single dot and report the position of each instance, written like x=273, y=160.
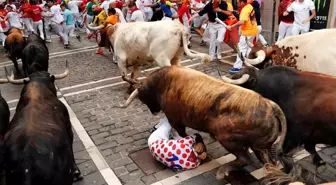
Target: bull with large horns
x=238, y=118
x=312, y=52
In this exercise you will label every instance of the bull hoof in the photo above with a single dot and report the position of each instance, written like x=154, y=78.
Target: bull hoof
x=77, y=176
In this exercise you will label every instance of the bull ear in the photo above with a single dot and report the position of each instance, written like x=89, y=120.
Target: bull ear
x=52, y=78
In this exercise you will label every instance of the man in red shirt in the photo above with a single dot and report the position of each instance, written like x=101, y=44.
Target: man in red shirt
x=286, y=22
x=3, y=26
x=36, y=12
x=183, y=14
x=27, y=20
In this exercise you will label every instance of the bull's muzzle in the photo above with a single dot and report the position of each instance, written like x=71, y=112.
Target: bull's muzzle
x=21, y=81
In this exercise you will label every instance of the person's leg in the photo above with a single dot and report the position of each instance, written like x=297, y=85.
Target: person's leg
x=220, y=38
x=40, y=28
x=282, y=31
x=162, y=132
x=260, y=37
x=295, y=30
x=243, y=47
x=289, y=28
x=213, y=40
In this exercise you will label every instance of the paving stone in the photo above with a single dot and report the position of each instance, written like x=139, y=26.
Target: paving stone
x=131, y=167
x=92, y=179
x=329, y=151
x=78, y=146
x=100, y=135
x=137, y=182
x=125, y=140
x=120, y=171
x=93, y=132
x=120, y=162
x=145, y=161
x=164, y=174
x=122, y=147
x=150, y=179
x=108, y=145
x=133, y=176
x=81, y=157
x=87, y=167
x=113, y=157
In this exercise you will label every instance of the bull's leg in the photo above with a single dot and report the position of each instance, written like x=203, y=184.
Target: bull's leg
x=242, y=154
x=180, y=130
x=317, y=160
x=16, y=65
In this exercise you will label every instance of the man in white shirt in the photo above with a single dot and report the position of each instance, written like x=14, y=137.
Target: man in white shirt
x=105, y=5
x=301, y=9
x=12, y=17
x=136, y=14
x=73, y=6
x=148, y=11
x=57, y=21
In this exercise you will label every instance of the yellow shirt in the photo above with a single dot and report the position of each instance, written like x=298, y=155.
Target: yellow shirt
x=112, y=19
x=100, y=18
x=249, y=28
x=230, y=7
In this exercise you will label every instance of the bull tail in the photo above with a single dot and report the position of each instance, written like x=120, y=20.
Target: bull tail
x=278, y=144
x=205, y=58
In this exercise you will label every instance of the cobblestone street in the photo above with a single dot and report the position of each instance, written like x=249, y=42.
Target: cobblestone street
x=111, y=143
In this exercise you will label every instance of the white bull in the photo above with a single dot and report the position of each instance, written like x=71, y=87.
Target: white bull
x=140, y=43
x=314, y=52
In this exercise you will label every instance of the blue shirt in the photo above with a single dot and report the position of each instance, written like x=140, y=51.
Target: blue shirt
x=68, y=17
x=166, y=9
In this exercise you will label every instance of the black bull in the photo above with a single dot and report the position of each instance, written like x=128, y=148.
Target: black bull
x=307, y=99
x=4, y=121
x=39, y=139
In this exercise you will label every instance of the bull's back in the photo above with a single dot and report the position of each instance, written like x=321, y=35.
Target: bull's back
x=308, y=52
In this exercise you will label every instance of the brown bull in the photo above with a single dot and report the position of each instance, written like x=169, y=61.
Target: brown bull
x=238, y=118
x=14, y=44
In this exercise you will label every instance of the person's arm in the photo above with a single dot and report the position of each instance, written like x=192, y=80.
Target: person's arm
x=203, y=11
x=289, y=9
x=313, y=11
x=180, y=12
x=223, y=9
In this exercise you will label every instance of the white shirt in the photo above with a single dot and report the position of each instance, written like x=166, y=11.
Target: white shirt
x=301, y=11
x=139, y=5
x=137, y=16
x=14, y=19
x=198, y=5
x=56, y=11
x=147, y=2
x=121, y=15
x=106, y=5
x=73, y=6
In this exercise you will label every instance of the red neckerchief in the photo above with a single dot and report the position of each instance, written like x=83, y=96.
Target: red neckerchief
x=240, y=8
x=133, y=9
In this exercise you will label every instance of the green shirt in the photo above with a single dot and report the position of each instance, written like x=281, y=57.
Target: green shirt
x=89, y=10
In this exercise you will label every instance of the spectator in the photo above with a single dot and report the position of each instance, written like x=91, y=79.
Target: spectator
x=286, y=22
x=27, y=17
x=301, y=9
x=73, y=5
x=12, y=17
x=135, y=12
x=69, y=25
x=36, y=14
x=249, y=31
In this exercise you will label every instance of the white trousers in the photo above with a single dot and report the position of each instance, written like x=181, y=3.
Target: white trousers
x=300, y=29
x=39, y=26
x=2, y=35
x=69, y=32
x=89, y=19
x=148, y=15
x=217, y=32
x=285, y=30
x=260, y=37
x=28, y=22
x=162, y=132
x=59, y=30
x=244, y=48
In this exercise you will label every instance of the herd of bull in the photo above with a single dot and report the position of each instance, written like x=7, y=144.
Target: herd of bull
x=270, y=109
x=36, y=145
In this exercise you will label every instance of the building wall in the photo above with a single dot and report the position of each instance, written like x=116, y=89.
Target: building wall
x=267, y=14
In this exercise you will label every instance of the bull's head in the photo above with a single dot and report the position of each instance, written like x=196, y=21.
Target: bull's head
x=106, y=32
x=260, y=56
x=21, y=81
x=42, y=77
x=246, y=78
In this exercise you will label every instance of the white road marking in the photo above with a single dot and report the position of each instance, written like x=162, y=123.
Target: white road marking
x=10, y=63
x=112, y=85
x=97, y=157
x=116, y=77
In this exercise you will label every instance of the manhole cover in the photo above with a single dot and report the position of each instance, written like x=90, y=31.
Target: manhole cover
x=144, y=160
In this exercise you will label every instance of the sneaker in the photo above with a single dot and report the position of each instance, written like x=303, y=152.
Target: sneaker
x=99, y=52
x=203, y=43
x=219, y=56
x=78, y=37
x=234, y=70
x=66, y=46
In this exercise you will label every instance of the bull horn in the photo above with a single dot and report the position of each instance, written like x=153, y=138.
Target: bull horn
x=261, y=55
x=239, y=81
x=94, y=28
x=3, y=81
x=11, y=78
x=66, y=72
x=248, y=43
x=130, y=99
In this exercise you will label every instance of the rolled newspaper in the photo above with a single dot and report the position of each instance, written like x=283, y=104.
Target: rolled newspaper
x=221, y=22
